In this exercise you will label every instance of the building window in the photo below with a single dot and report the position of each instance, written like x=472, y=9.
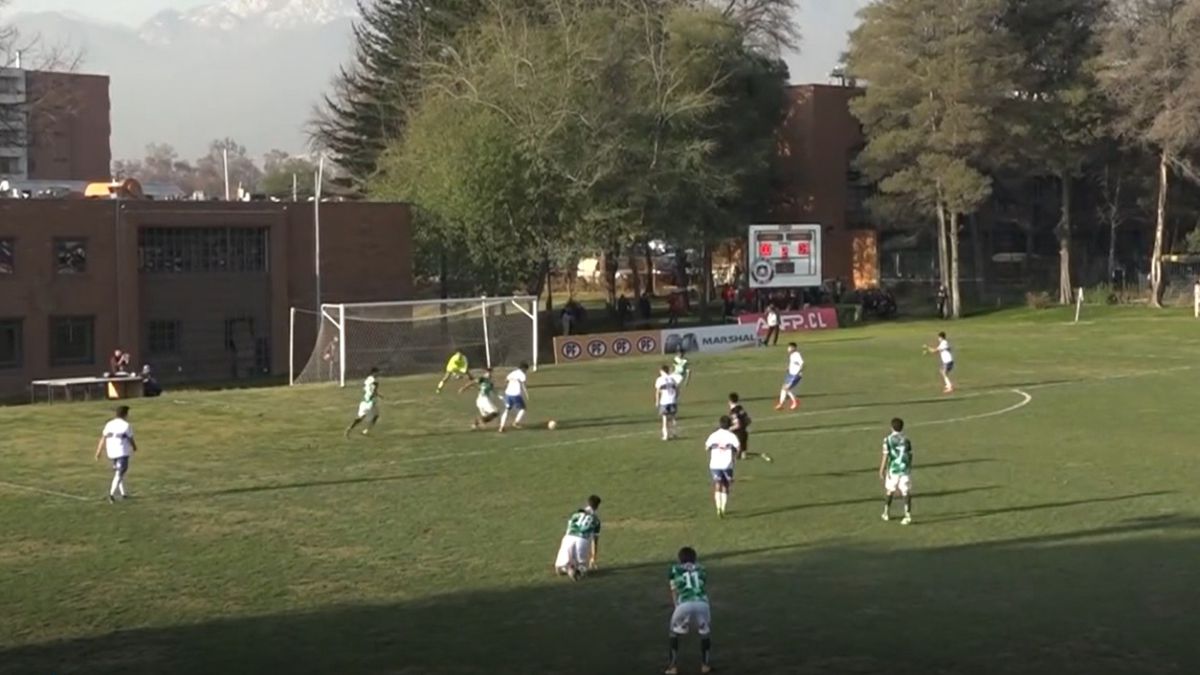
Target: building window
x=10, y=343
x=70, y=256
x=72, y=340
x=163, y=337
x=203, y=250
x=10, y=166
x=7, y=262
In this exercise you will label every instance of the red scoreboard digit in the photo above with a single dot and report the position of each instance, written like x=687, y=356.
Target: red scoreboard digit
x=764, y=249
x=802, y=248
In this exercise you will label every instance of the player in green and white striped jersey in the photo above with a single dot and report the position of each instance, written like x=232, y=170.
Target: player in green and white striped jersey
x=683, y=369
x=368, y=408
x=484, y=403
x=689, y=594
x=895, y=470
x=581, y=543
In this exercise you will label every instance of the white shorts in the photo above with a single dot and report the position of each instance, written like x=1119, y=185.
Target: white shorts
x=903, y=483
x=689, y=614
x=368, y=410
x=485, y=406
x=575, y=551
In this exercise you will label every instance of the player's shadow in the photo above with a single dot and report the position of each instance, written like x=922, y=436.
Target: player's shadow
x=931, y=465
x=755, y=431
x=340, y=482
x=608, y=421
x=1037, y=383
x=1023, y=508
x=804, y=506
x=803, y=396
x=1114, y=598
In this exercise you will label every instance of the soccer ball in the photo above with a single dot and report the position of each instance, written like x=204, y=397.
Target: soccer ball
x=551, y=425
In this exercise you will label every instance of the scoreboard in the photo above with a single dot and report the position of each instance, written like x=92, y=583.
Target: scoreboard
x=784, y=256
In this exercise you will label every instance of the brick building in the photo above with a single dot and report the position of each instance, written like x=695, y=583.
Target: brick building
x=201, y=290
x=818, y=143
x=54, y=126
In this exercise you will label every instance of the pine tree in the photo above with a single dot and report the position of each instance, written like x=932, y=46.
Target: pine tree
x=374, y=97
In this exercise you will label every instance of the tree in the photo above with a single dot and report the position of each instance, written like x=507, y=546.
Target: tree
x=283, y=172
x=768, y=24
x=1151, y=71
x=373, y=98
x=1060, y=109
x=210, y=169
x=160, y=165
x=938, y=72
x=396, y=40
x=592, y=127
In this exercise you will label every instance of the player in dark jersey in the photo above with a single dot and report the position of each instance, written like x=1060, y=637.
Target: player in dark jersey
x=741, y=429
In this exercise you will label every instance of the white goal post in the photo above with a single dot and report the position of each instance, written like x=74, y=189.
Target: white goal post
x=416, y=336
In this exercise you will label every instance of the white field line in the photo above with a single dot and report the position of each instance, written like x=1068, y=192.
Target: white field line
x=648, y=433
x=55, y=493
x=1026, y=398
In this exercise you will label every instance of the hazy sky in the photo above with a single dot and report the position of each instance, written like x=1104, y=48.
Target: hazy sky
x=123, y=11
x=824, y=23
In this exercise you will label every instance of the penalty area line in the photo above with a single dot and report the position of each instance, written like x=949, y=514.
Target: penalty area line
x=53, y=493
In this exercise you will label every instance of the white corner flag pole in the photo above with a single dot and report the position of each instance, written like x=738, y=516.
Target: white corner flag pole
x=1078, y=302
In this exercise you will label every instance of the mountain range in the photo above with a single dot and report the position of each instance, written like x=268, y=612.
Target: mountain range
x=251, y=70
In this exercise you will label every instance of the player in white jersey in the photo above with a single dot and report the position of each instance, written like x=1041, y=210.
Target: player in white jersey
x=515, y=395
x=723, y=448
x=795, y=373
x=666, y=399
x=946, y=356
x=117, y=442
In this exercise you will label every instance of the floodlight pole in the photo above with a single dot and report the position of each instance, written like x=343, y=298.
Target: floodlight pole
x=292, y=347
x=317, y=228
x=342, y=345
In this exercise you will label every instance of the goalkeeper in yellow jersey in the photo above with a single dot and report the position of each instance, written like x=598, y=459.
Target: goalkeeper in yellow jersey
x=456, y=367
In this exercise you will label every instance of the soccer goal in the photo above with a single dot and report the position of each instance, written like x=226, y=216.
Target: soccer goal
x=419, y=336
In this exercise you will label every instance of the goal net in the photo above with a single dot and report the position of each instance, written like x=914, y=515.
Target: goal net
x=413, y=337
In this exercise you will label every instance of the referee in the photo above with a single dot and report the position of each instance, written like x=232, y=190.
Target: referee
x=741, y=429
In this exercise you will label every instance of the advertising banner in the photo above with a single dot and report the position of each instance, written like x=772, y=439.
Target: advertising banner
x=790, y=321
x=577, y=348
x=709, y=338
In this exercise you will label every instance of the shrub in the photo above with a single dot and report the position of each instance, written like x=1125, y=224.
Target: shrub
x=1038, y=300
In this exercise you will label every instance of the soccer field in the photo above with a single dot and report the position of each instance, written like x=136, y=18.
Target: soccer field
x=1057, y=518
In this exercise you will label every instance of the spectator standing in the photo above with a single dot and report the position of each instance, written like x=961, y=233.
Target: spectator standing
x=644, y=306
x=624, y=311
x=567, y=319
x=729, y=296
x=942, y=300
x=118, y=363
x=772, y=326
x=674, y=308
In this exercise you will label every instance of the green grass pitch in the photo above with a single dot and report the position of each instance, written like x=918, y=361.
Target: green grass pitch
x=1057, y=519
